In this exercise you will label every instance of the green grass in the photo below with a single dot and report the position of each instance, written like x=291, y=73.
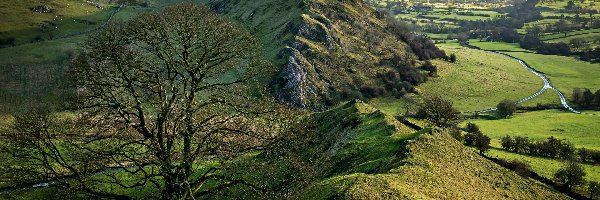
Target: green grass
x=477, y=81
x=558, y=5
x=438, y=167
x=564, y=72
x=555, y=37
x=68, y=16
x=545, y=167
x=454, y=15
x=480, y=80
x=497, y=46
x=580, y=129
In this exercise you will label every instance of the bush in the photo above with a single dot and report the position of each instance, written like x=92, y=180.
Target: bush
x=560, y=48
x=372, y=91
x=37, y=38
x=452, y=58
x=550, y=148
x=472, y=128
x=439, y=112
x=507, y=143
x=506, y=108
x=594, y=189
x=456, y=134
x=521, y=144
x=470, y=139
x=570, y=175
x=479, y=141
x=432, y=69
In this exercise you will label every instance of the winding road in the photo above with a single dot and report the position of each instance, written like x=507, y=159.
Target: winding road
x=547, y=83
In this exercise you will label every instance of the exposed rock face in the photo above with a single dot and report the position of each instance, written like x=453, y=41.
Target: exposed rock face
x=326, y=50
x=300, y=88
x=331, y=55
x=42, y=9
x=296, y=89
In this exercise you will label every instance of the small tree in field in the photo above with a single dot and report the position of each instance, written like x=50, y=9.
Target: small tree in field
x=439, y=112
x=506, y=108
x=507, y=143
x=482, y=143
x=570, y=175
x=453, y=58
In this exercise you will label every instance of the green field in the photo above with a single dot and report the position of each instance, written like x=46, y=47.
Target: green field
x=572, y=34
x=454, y=15
x=558, y=5
x=497, y=46
x=564, y=72
x=580, y=129
x=480, y=80
x=545, y=166
x=67, y=16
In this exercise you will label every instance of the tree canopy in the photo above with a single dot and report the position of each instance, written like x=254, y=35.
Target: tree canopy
x=162, y=96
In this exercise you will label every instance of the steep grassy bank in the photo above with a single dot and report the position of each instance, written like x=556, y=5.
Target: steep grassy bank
x=426, y=165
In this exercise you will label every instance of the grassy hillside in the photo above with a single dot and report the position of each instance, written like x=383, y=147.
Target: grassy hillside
x=565, y=73
x=34, y=71
x=58, y=17
x=388, y=163
x=480, y=80
x=326, y=50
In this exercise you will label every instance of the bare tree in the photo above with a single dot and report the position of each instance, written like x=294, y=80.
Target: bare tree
x=169, y=98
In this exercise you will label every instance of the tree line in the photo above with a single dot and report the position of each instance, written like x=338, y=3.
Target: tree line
x=584, y=98
x=549, y=148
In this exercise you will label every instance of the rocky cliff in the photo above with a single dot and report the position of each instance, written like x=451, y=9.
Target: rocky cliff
x=325, y=50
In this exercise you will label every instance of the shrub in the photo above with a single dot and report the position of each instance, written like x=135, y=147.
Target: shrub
x=439, y=112
x=372, y=91
x=432, y=69
x=506, y=108
x=479, y=141
x=457, y=134
x=594, y=189
x=507, y=143
x=453, y=58
x=472, y=128
x=570, y=175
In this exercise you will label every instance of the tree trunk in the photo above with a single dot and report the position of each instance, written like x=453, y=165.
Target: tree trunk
x=171, y=189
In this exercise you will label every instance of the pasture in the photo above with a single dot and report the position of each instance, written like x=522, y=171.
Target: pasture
x=564, y=72
x=580, y=129
x=480, y=80
x=545, y=167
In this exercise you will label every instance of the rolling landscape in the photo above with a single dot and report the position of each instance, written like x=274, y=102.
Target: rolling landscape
x=299, y=99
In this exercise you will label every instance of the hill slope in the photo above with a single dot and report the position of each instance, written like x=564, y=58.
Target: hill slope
x=327, y=50
x=390, y=163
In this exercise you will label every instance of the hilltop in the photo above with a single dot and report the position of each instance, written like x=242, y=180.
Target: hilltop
x=378, y=158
